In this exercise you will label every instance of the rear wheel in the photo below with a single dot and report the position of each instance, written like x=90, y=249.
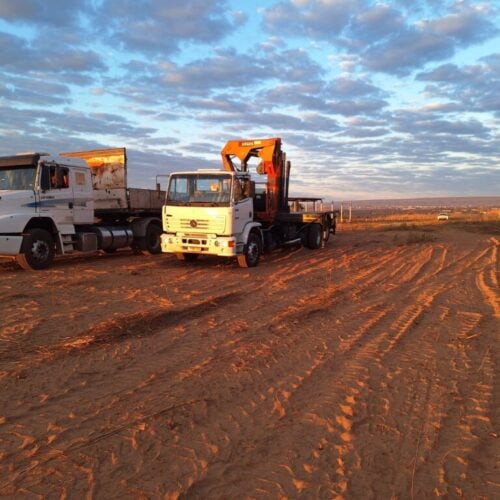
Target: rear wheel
x=327, y=229
x=252, y=252
x=37, y=250
x=314, y=236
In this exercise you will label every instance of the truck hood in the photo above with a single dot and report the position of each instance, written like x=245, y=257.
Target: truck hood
x=17, y=201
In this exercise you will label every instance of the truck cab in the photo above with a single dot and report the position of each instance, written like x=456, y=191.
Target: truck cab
x=211, y=212
x=41, y=196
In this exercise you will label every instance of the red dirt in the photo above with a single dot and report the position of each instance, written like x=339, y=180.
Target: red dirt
x=365, y=369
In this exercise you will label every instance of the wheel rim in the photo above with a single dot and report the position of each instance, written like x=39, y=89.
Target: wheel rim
x=40, y=250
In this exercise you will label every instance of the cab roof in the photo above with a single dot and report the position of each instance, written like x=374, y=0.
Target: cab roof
x=32, y=159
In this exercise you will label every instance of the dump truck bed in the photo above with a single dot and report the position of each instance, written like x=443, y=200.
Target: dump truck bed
x=109, y=181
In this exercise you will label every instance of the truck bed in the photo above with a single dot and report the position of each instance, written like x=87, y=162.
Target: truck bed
x=302, y=217
x=128, y=200
x=109, y=181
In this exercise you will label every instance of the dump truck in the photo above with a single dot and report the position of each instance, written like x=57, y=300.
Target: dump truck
x=73, y=202
x=228, y=213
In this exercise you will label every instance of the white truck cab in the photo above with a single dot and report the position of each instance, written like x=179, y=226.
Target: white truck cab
x=211, y=212
x=45, y=195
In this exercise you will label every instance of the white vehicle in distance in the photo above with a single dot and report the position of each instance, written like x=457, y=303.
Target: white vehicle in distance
x=443, y=216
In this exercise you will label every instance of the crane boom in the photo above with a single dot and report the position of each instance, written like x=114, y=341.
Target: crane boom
x=273, y=165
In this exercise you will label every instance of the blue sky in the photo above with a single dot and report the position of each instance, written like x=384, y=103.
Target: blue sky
x=372, y=99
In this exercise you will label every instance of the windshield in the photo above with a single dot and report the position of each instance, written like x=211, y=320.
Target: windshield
x=213, y=189
x=17, y=178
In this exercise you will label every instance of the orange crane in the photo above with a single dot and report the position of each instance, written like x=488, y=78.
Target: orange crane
x=273, y=164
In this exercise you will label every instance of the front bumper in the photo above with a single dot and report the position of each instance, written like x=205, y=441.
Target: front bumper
x=10, y=244
x=223, y=246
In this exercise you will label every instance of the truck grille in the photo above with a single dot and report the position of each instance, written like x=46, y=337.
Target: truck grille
x=214, y=225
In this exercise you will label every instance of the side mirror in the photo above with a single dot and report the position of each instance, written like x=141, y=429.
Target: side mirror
x=158, y=190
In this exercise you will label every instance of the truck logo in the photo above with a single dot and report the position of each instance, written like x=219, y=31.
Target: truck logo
x=193, y=223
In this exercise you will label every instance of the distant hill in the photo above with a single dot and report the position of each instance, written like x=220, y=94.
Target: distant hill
x=434, y=203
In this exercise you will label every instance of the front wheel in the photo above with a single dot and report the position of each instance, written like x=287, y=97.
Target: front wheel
x=37, y=250
x=252, y=252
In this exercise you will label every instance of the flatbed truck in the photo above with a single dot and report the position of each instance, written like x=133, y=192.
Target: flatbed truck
x=227, y=213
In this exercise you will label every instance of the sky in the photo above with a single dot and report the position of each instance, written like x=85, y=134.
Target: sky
x=372, y=100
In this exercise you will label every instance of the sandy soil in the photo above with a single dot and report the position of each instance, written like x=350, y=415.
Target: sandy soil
x=365, y=369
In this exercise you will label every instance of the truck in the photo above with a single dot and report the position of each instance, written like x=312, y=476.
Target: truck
x=227, y=213
x=76, y=201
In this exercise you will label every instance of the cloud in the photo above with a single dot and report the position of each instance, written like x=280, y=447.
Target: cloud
x=225, y=70
x=17, y=54
x=473, y=88
x=69, y=124
x=156, y=27
x=173, y=81
x=53, y=12
x=320, y=19
x=411, y=46
x=34, y=92
x=377, y=23
x=384, y=37
x=341, y=96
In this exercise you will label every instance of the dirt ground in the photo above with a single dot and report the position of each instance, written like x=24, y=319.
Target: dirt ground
x=365, y=369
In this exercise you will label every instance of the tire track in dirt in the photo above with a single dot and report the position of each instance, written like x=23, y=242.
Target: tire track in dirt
x=135, y=325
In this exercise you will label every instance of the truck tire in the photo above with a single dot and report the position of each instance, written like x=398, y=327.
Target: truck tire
x=252, y=252
x=328, y=227
x=150, y=243
x=314, y=236
x=37, y=250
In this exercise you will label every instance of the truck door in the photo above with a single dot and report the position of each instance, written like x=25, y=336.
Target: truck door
x=243, y=206
x=56, y=197
x=81, y=183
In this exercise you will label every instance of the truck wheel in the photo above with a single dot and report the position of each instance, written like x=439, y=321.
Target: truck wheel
x=37, y=250
x=153, y=239
x=328, y=227
x=314, y=236
x=151, y=242
x=187, y=257
x=252, y=252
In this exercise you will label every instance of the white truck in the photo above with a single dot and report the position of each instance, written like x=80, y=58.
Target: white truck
x=75, y=201
x=227, y=213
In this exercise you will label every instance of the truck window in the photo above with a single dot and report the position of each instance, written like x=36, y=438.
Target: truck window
x=80, y=178
x=200, y=188
x=59, y=177
x=17, y=178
